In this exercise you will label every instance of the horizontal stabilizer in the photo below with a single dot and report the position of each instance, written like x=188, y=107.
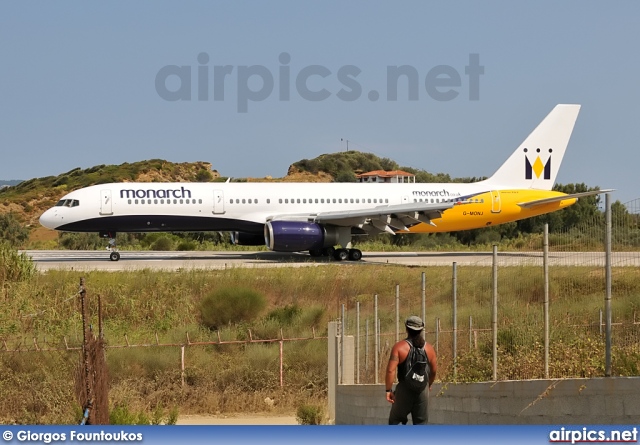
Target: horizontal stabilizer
x=537, y=202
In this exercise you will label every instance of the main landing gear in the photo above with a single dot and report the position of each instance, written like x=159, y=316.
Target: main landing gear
x=338, y=254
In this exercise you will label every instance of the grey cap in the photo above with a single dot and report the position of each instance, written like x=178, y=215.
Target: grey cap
x=414, y=323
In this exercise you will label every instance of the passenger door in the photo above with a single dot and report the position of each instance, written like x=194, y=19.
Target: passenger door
x=218, y=202
x=496, y=207
x=106, y=204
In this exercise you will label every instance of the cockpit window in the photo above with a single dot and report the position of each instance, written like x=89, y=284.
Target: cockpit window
x=68, y=203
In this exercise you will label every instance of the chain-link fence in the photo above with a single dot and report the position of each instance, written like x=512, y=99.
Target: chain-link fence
x=458, y=305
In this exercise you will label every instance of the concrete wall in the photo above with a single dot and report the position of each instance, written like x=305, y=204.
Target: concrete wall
x=613, y=400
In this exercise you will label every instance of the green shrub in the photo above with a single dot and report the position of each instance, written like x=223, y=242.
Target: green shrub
x=231, y=305
x=14, y=266
x=285, y=315
x=120, y=415
x=204, y=176
x=12, y=230
x=309, y=415
x=162, y=243
x=81, y=241
x=187, y=245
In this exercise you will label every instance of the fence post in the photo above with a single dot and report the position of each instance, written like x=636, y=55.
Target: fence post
x=424, y=297
x=454, y=291
x=397, y=313
x=366, y=347
x=546, y=299
x=357, y=342
x=600, y=320
x=332, y=367
x=342, y=328
x=281, y=365
x=182, y=364
x=85, y=352
x=376, y=344
x=437, y=335
x=494, y=312
x=607, y=298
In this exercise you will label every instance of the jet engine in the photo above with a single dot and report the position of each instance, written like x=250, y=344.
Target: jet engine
x=296, y=236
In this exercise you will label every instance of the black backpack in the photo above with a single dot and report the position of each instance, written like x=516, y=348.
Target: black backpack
x=417, y=366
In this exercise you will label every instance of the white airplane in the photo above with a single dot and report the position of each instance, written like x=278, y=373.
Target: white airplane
x=316, y=217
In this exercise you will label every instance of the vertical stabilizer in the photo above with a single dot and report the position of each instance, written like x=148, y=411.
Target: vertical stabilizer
x=535, y=164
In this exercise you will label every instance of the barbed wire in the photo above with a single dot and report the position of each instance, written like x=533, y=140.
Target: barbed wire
x=36, y=314
x=38, y=348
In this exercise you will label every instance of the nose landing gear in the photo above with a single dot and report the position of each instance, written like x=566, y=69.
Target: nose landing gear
x=114, y=255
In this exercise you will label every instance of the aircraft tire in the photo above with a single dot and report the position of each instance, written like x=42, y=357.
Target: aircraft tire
x=341, y=255
x=329, y=251
x=355, y=254
x=315, y=252
x=114, y=256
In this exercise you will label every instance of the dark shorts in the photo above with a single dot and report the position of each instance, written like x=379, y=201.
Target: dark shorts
x=409, y=402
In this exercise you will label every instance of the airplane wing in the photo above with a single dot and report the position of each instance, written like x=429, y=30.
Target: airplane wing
x=389, y=218
x=538, y=202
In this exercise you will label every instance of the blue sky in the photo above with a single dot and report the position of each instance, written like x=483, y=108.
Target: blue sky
x=78, y=84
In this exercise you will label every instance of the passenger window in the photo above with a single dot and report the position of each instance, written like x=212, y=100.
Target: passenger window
x=129, y=201
x=286, y=201
x=243, y=201
x=304, y=201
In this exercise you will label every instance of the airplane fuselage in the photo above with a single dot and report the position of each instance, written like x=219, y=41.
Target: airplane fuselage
x=245, y=207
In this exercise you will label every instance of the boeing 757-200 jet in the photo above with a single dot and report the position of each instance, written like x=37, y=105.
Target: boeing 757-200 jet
x=317, y=217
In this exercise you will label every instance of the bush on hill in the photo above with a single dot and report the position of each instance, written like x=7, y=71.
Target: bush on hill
x=231, y=305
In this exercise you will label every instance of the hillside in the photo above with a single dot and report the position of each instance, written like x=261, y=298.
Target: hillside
x=30, y=198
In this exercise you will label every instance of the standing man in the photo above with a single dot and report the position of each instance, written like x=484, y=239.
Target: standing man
x=416, y=363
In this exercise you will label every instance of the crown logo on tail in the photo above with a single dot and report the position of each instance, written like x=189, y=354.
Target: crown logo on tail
x=538, y=167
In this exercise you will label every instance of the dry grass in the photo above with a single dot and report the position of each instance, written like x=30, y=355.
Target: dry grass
x=37, y=387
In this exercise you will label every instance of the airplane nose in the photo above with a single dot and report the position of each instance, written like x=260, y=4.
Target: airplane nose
x=48, y=219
